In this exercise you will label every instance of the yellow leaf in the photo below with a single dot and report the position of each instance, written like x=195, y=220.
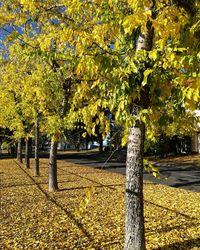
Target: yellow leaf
x=153, y=54
x=147, y=72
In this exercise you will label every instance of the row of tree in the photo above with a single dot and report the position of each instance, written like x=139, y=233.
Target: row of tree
x=67, y=61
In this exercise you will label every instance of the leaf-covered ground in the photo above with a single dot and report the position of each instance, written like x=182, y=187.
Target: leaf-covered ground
x=33, y=218
x=187, y=159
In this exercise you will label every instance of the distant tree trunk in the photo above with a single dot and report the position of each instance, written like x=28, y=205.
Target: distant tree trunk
x=100, y=143
x=87, y=141
x=12, y=150
x=78, y=142
x=27, y=153
x=19, y=151
x=53, y=183
x=36, y=164
x=134, y=223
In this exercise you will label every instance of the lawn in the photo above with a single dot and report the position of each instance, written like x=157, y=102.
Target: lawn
x=33, y=218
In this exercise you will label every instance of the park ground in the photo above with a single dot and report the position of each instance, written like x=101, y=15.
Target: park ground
x=88, y=210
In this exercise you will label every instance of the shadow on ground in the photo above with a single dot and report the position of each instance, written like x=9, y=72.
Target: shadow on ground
x=186, y=245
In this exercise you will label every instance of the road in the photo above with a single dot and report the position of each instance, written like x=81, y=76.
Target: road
x=178, y=175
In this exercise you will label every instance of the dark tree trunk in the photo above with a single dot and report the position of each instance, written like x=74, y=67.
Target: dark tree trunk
x=36, y=164
x=27, y=153
x=53, y=183
x=78, y=142
x=19, y=151
x=134, y=223
x=100, y=143
x=86, y=142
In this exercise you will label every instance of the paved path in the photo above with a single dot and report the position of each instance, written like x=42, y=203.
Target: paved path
x=182, y=175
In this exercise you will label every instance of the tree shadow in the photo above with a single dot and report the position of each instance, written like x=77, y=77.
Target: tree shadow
x=97, y=186
x=172, y=210
x=88, y=179
x=185, y=245
x=166, y=229
x=31, y=184
x=190, y=183
x=188, y=222
x=76, y=221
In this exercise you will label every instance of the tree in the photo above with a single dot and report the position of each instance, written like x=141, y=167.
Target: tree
x=147, y=72
x=133, y=57
x=40, y=78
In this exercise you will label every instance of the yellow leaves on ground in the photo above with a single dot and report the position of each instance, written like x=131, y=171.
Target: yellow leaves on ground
x=33, y=218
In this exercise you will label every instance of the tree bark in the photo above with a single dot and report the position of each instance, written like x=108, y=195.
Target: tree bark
x=27, y=153
x=100, y=143
x=66, y=85
x=134, y=222
x=53, y=183
x=78, y=142
x=19, y=151
x=87, y=142
x=36, y=164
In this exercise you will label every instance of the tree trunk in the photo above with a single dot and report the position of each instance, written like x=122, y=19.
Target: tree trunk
x=134, y=222
x=66, y=85
x=27, y=153
x=87, y=142
x=78, y=142
x=100, y=143
x=19, y=151
x=53, y=183
x=36, y=164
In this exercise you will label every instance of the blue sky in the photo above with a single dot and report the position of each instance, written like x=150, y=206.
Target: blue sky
x=4, y=34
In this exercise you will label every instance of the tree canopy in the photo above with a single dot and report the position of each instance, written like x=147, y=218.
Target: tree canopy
x=95, y=44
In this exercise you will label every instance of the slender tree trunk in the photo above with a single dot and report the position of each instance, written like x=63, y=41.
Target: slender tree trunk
x=86, y=142
x=36, y=164
x=19, y=150
x=53, y=183
x=78, y=142
x=100, y=143
x=27, y=153
x=134, y=222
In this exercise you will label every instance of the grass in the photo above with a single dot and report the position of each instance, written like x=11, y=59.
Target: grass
x=33, y=218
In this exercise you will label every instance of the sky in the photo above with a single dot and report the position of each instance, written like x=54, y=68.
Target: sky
x=3, y=35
